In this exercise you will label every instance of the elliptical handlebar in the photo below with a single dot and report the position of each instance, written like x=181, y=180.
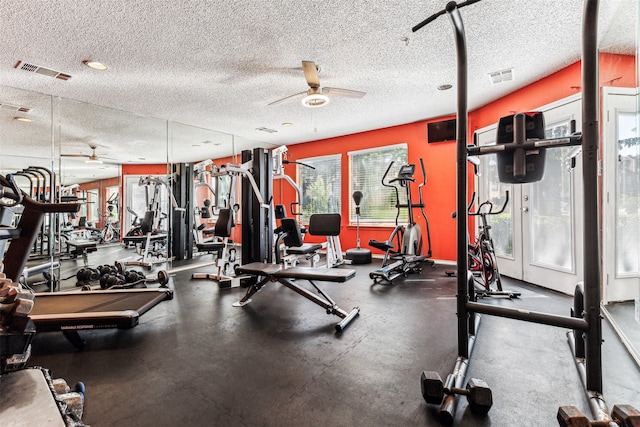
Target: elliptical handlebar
x=388, y=184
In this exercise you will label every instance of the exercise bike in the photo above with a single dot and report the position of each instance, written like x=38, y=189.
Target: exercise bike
x=481, y=256
x=403, y=248
x=111, y=231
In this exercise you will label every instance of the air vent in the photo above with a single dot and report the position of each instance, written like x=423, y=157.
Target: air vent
x=501, y=76
x=267, y=130
x=42, y=70
x=11, y=107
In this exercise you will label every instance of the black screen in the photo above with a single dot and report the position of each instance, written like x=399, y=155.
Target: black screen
x=441, y=131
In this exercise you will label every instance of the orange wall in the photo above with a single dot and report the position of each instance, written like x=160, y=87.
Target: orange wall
x=101, y=186
x=439, y=192
x=439, y=158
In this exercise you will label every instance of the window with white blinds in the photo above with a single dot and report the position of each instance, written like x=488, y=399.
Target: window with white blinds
x=320, y=186
x=367, y=168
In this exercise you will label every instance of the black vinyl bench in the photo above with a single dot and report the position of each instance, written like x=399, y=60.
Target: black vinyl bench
x=82, y=248
x=275, y=273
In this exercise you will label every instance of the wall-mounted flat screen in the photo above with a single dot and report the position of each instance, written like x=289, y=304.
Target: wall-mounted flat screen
x=441, y=131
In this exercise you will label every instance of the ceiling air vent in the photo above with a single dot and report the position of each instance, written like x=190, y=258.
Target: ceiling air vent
x=264, y=129
x=501, y=76
x=42, y=70
x=11, y=107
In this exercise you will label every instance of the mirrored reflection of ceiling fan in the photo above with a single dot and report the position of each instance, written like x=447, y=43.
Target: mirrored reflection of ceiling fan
x=91, y=158
x=317, y=96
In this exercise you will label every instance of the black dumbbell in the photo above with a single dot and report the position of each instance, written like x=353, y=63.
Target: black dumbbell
x=85, y=275
x=477, y=391
x=623, y=415
x=106, y=270
x=133, y=276
x=112, y=280
x=626, y=415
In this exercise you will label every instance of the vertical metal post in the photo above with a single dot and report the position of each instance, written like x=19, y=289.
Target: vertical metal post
x=247, y=215
x=590, y=146
x=461, y=182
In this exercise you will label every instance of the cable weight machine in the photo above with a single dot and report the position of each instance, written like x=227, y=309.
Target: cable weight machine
x=584, y=323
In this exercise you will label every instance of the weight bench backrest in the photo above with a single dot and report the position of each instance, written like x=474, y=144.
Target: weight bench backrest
x=291, y=229
x=325, y=224
x=146, y=225
x=224, y=223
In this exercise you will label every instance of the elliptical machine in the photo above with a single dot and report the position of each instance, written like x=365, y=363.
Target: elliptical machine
x=403, y=248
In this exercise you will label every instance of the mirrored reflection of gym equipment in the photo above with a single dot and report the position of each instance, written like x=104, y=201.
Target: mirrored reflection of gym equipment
x=521, y=160
x=151, y=245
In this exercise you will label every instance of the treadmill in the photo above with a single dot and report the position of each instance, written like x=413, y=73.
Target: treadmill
x=68, y=312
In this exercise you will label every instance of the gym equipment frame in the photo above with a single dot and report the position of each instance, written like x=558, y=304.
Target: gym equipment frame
x=481, y=257
x=275, y=273
x=407, y=257
x=586, y=318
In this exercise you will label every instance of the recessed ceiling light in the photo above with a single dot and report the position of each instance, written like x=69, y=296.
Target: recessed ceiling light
x=95, y=65
x=445, y=87
x=23, y=119
x=287, y=124
x=195, y=146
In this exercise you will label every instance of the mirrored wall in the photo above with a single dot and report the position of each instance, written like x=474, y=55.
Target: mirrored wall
x=114, y=163
x=621, y=180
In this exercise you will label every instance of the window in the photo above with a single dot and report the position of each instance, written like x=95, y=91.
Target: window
x=320, y=187
x=367, y=168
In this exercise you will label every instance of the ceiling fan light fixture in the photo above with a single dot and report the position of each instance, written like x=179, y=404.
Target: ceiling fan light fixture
x=315, y=100
x=93, y=160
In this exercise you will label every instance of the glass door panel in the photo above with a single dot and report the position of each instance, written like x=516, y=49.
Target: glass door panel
x=621, y=230
x=538, y=238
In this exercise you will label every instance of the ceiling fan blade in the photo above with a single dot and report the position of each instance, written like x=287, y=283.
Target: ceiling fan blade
x=74, y=155
x=311, y=74
x=288, y=98
x=348, y=93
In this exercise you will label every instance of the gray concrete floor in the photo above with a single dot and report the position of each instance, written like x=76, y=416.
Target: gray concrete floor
x=198, y=361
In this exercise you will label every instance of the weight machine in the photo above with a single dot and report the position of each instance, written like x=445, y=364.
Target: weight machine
x=521, y=160
x=331, y=230
x=151, y=245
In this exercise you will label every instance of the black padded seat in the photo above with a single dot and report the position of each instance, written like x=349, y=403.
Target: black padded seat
x=81, y=246
x=320, y=274
x=293, y=238
x=210, y=246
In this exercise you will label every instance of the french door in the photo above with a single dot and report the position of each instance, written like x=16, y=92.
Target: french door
x=539, y=236
x=621, y=194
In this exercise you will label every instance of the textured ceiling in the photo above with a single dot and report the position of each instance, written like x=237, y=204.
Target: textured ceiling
x=216, y=65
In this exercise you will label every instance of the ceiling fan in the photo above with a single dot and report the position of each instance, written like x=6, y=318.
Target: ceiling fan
x=91, y=158
x=317, y=96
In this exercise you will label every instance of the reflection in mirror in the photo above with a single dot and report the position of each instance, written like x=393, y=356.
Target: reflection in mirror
x=191, y=150
x=622, y=280
x=26, y=151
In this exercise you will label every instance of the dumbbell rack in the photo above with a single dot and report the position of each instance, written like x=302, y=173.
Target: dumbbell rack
x=586, y=317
